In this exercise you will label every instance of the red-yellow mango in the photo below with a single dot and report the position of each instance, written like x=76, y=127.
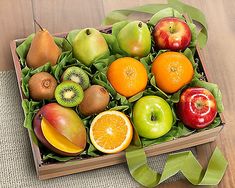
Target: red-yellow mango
x=60, y=129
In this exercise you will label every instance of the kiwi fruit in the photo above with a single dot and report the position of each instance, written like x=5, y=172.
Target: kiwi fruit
x=77, y=75
x=42, y=86
x=96, y=99
x=69, y=93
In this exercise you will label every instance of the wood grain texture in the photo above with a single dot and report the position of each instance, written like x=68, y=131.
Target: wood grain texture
x=60, y=15
x=15, y=22
x=64, y=15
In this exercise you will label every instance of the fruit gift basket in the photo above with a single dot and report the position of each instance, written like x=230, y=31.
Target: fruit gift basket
x=91, y=95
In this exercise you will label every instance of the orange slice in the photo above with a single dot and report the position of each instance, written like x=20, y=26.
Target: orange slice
x=111, y=132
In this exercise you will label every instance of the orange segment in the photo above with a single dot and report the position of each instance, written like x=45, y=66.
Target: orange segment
x=58, y=140
x=111, y=132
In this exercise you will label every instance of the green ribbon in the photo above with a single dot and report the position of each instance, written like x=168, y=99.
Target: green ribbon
x=182, y=161
x=193, y=13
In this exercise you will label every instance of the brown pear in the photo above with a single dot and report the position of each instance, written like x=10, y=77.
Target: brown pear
x=43, y=49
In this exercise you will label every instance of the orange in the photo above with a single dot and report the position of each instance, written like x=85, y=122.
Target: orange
x=172, y=70
x=111, y=132
x=128, y=76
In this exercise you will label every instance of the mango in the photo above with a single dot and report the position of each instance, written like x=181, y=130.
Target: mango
x=60, y=129
x=135, y=39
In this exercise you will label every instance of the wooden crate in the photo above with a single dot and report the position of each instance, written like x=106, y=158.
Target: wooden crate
x=57, y=169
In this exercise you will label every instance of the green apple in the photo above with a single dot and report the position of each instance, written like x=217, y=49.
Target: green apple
x=152, y=117
x=135, y=39
x=89, y=45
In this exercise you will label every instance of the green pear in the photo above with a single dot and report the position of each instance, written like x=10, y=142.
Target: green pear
x=135, y=39
x=89, y=45
x=42, y=50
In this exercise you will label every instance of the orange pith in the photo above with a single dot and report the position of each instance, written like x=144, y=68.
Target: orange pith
x=128, y=76
x=111, y=132
x=172, y=70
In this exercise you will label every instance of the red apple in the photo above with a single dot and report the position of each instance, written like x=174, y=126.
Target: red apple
x=196, y=108
x=172, y=34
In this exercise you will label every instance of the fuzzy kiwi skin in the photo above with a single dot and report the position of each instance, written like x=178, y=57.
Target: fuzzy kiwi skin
x=96, y=99
x=42, y=86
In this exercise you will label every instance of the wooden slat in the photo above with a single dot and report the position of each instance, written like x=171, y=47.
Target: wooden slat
x=59, y=15
x=62, y=169
x=16, y=20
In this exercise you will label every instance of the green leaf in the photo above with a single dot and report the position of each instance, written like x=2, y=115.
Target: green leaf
x=177, y=162
x=30, y=108
x=120, y=15
x=193, y=29
x=123, y=100
x=148, y=142
x=146, y=62
x=213, y=88
x=72, y=34
x=101, y=79
x=113, y=44
x=136, y=97
x=175, y=98
x=92, y=151
x=153, y=83
x=114, y=17
x=56, y=157
x=23, y=49
x=136, y=142
x=167, y=12
x=120, y=108
x=215, y=123
x=189, y=54
x=116, y=28
x=176, y=131
x=202, y=37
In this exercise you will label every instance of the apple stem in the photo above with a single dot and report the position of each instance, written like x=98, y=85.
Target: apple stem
x=140, y=24
x=153, y=117
x=199, y=104
x=170, y=29
x=88, y=32
x=38, y=24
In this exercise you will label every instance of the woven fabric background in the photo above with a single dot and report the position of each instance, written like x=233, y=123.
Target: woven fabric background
x=16, y=160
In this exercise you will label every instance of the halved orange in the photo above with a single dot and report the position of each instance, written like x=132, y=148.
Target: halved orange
x=111, y=131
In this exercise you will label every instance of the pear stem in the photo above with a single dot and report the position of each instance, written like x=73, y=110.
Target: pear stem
x=67, y=40
x=88, y=32
x=140, y=24
x=38, y=24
